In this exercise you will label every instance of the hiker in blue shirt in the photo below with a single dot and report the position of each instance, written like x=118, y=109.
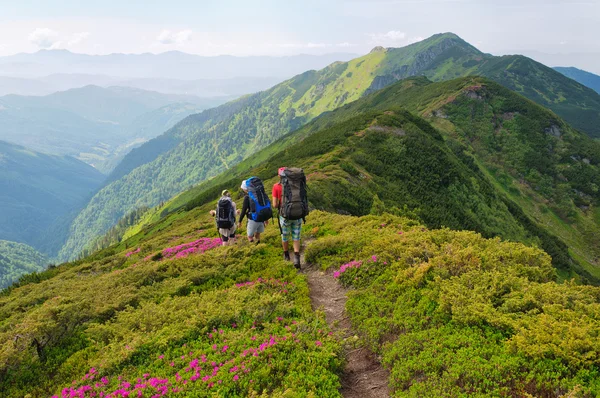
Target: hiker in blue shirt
x=256, y=208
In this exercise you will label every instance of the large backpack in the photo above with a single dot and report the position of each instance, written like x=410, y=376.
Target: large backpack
x=294, y=201
x=260, y=205
x=225, y=213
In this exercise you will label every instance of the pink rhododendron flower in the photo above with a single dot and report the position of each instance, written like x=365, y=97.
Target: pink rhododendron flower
x=131, y=253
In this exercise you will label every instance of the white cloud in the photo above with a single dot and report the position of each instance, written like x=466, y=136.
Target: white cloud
x=44, y=38
x=77, y=38
x=344, y=44
x=168, y=37
x=392, y=38
x=317, y=45
x=304, y=45
x=414, y=40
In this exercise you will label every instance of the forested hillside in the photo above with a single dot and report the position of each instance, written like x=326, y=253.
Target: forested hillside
x=17, y=259
x=37, y=191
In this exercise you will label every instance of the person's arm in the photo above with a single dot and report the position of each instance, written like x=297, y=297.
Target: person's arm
x=275, y=196
x=245, y=208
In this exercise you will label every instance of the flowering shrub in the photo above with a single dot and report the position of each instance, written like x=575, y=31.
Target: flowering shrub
x=344, y=267
x=194, y=326
x=216, y=364
x=131, y=253
x=453, y=314
x=198, y=246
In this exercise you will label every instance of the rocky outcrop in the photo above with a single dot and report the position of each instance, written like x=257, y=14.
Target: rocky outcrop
x=554, y=131
x=380, y=82
x=439, y=113
x=472, y=94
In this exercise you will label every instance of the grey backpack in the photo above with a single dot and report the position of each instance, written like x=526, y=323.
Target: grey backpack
x=294, y=201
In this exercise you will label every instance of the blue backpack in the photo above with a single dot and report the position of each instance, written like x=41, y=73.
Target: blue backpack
x=260, y=205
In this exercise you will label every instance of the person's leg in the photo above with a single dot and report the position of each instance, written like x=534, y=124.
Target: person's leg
x=285, y=231
x=232, y=238
x=249, y=232
x=296, y=227
x=224, y=239
x=260, y=228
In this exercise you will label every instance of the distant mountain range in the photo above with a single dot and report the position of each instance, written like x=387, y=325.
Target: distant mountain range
x=200, y=87
x=202, y=145
x=586, y=78
x=94, y=124
x=37, y=191
x=589, y=61
x=170, y=65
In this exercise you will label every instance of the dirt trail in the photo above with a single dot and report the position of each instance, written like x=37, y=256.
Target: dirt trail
x=363, y=376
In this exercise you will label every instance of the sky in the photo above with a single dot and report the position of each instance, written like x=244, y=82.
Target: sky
x=285, y=27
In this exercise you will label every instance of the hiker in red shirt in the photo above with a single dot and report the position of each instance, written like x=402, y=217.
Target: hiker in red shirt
x=295, y=204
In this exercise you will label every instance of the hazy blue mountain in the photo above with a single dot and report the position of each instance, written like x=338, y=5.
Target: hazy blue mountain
x=172, y=64
x=589, y=61
x=23, y=86
x=37, y=190
x=586, y=78
x=200, y=87
x=92, y=123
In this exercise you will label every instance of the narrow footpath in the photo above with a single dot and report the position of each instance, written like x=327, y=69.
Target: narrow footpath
x=363, y=375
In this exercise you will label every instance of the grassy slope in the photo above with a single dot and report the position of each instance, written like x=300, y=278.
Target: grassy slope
x=203, y=145
x=17, y=259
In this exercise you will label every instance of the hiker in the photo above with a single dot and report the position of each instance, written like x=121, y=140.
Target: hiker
x=225, y=218
x=290, y=199
x=257, y=208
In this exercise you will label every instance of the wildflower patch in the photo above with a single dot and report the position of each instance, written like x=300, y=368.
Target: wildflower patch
x=198, y=246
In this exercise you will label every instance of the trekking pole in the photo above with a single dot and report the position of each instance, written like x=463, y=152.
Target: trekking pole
x=279, y=223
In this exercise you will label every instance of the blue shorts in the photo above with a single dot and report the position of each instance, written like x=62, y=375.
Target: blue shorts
x=255, y=227
x=290, y=227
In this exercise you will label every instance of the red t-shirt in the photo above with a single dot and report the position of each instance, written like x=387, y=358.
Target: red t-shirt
x=278, y=192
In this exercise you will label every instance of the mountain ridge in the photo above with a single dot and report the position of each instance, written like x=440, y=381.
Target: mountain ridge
x=202, y=144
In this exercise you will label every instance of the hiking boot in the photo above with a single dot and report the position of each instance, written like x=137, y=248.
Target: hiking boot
x=286, y=256
x=297, y=260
